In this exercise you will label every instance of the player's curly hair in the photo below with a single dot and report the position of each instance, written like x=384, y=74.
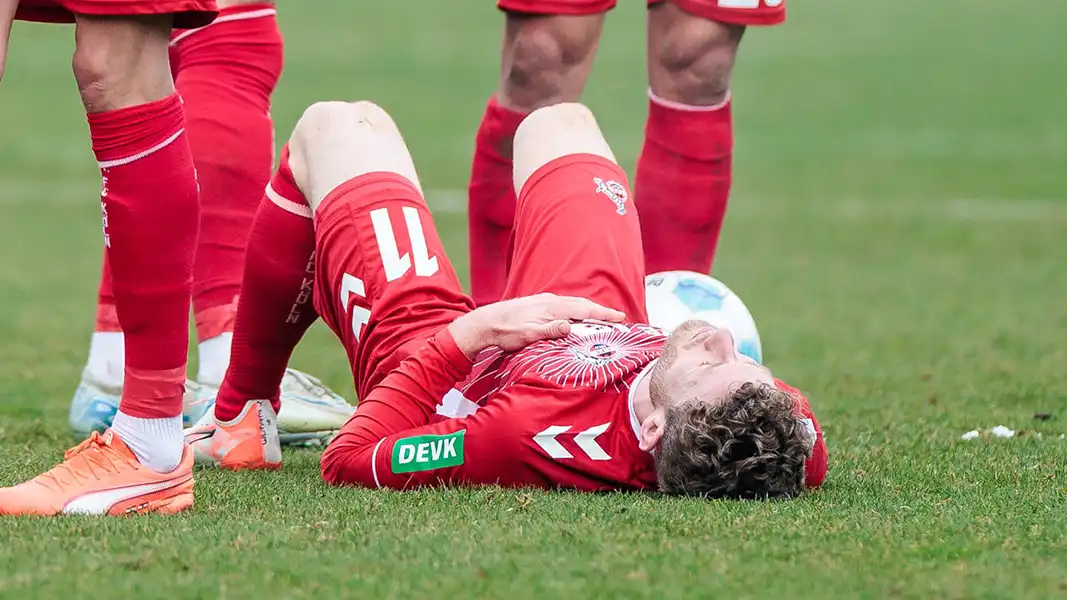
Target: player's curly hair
x=751, y=446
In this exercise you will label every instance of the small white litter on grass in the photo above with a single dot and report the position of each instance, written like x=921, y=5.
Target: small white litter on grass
x=1002, y=432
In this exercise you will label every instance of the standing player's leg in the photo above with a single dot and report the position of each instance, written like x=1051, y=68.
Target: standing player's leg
x=684, y=171
x=225, y=74
x=150, y=212
x=576, y=230
x=549, y=46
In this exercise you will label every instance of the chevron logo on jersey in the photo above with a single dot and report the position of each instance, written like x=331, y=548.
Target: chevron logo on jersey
x=585, y=441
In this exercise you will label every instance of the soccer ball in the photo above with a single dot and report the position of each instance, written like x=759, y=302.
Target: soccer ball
x=673, y=297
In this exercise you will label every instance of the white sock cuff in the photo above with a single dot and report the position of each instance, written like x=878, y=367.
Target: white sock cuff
x=688, y=107
x=214, y=359
x=105, y=366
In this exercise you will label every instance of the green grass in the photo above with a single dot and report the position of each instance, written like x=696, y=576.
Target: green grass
x=897, y=228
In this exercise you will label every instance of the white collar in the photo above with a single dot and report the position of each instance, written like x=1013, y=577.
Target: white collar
x=634, y=422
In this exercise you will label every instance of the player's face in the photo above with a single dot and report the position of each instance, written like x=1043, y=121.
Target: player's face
x=701, y=362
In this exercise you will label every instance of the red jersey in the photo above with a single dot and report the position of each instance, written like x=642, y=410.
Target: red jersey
x=557, y=414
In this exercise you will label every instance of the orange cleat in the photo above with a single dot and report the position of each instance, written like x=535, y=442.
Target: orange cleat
x=101, y=476
x=250, y=441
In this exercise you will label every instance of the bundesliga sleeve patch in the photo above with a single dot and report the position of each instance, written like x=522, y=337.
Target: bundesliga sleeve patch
x=428, y=452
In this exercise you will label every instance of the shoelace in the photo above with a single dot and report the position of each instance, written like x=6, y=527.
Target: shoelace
x=97, y=456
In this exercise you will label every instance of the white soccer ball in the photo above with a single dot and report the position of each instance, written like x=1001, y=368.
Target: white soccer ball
x=673, y=297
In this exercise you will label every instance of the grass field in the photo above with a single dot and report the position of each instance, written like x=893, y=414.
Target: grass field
x=897, y=228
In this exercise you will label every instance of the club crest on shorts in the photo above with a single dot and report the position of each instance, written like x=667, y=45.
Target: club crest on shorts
x=614, y=191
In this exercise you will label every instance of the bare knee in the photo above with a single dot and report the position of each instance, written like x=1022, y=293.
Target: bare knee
x=122, y=62
x=323, y=118
x=334, y=142
x=690, y=58
x=553, y=132
x=547, y=59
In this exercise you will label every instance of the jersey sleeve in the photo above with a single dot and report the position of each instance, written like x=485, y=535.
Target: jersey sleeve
x=396, y=439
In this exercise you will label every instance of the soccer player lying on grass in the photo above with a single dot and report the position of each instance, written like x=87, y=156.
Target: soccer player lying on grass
x=563, y=385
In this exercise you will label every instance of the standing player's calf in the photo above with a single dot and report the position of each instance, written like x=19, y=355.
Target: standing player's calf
x=684, y=171
x=150, y=217
x=225, y=73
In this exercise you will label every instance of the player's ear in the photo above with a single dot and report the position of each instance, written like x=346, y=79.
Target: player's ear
x=652, y=430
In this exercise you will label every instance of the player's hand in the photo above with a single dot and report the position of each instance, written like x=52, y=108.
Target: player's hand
x=515, y=324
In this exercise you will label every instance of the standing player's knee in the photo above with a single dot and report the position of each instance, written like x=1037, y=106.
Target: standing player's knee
x=690, y=58
x=93, y=76
x=120, y=63
x=547, y=59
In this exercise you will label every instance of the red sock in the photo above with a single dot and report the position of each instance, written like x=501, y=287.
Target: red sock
x=275, y=307
x=492, y=202
x=682, y=184
x=107, y=319
x=226, y=73
x=150, y=213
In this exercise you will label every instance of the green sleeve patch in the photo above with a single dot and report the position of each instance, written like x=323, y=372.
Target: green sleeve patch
x=428, y=452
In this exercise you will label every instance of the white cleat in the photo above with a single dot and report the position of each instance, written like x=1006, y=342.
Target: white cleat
x=94, y=405
x=199, y=400
x=311, y=413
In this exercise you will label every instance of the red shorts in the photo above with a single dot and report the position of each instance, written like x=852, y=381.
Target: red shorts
x=187, y=13
x=577, y=234
x=739, y=12
x=382, y=280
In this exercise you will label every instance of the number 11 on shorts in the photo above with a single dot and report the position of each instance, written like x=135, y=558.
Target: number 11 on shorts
x=395, y=264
